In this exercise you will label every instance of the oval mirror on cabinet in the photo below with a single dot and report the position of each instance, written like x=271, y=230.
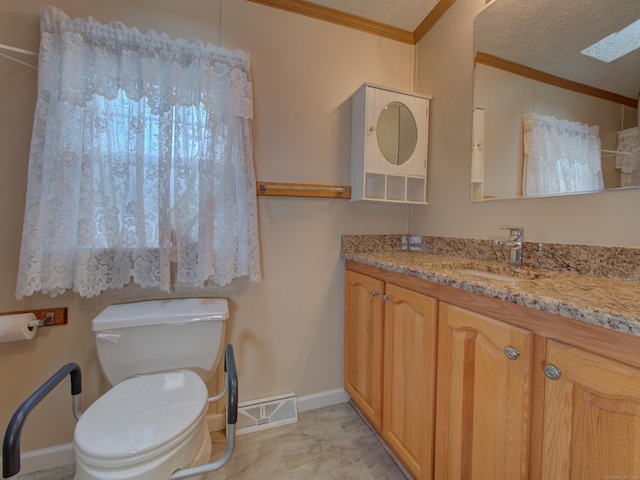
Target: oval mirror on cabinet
x=397, y=133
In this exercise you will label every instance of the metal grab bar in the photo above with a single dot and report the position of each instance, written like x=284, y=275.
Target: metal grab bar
x=232, y=418
x=11, y=444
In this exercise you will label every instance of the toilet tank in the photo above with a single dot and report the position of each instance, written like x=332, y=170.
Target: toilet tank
x=161, y=335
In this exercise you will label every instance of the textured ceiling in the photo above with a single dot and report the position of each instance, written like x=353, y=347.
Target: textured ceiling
x=404, y=14
x=548, y=35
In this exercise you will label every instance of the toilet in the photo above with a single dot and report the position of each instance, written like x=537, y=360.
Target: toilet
x=157, y=355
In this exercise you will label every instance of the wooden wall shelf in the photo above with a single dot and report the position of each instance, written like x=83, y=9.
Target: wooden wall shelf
x=282, y=189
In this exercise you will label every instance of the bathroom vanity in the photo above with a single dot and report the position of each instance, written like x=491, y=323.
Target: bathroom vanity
x=468, y=369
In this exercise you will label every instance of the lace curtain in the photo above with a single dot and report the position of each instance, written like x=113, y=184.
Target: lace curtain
x=628, y=156
x=141, y=158
x=560, y=156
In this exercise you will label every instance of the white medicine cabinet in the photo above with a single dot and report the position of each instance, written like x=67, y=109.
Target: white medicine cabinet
x=389, y=138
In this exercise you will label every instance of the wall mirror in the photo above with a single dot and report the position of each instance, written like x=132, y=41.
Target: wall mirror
x=528, y=61
x=397, y=133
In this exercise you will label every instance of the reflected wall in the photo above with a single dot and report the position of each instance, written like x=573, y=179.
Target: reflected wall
x=505, y=97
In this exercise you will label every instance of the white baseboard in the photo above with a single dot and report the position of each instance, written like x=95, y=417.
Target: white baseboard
x=46, y=458
x=322, y=399
x=62, y=455
x=217, y=421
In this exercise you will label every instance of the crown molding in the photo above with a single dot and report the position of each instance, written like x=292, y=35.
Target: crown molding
x=352, y=21
x=524, y=71
x=431, y=19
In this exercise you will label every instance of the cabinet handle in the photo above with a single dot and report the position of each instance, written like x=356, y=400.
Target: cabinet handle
x=374, y=293
x=384, y=298
x=511, y=353
x=552, y=372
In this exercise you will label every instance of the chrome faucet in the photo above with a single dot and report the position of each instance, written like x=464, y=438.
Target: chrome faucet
x=516, y=242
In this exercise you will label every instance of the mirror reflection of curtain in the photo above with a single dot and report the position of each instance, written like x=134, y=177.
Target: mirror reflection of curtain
x=560, y=156
x=627, y=156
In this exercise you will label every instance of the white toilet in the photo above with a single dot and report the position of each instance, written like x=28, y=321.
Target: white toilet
x=157, y=355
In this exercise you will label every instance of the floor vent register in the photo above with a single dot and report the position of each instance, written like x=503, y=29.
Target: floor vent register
x=265, y=413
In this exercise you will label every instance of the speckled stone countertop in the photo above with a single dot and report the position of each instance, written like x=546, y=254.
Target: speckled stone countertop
x=608, y=302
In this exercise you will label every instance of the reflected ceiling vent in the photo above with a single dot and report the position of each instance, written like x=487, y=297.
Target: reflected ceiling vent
x=266, y=413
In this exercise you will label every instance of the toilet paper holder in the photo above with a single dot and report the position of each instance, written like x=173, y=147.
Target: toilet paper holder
x=49, y=319
x=45, y=317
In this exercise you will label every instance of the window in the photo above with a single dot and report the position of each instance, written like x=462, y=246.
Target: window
x=141, y=157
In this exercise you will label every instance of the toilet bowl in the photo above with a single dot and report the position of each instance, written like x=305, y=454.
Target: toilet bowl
x=153, y=421
x=164, y=428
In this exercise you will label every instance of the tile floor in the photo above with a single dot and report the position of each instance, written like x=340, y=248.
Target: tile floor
x=58, y=473
x=325, y=444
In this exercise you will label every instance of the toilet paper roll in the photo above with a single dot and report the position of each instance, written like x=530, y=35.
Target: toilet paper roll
x=14, y=328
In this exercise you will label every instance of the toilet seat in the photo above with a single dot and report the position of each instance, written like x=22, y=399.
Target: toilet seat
x=141, y=418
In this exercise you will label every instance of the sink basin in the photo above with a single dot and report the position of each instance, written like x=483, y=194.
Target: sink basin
x=495, y=272
x=491, y=276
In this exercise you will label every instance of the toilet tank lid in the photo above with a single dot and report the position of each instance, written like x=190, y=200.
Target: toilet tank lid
x=158, y=312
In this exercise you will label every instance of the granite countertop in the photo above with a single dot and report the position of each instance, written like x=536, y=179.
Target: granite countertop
x=606, y=302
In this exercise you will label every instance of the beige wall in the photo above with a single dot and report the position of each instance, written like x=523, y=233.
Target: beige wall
x=287, y=330
x=445, y=70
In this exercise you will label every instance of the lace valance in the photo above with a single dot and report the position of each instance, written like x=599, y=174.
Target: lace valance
x=104, y=58
x=629, y=150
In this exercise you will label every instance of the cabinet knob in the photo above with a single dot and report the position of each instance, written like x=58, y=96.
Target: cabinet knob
x=372, y=129
x=511, y=353
x=552, y=372
x=385, y=297
x=374, y=293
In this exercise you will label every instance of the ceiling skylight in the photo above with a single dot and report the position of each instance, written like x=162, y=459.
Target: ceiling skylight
x=615, y=45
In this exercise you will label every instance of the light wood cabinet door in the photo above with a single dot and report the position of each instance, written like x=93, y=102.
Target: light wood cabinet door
x=591, y=417
x=409, y=377
x=484, y=397
x=363, y=344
